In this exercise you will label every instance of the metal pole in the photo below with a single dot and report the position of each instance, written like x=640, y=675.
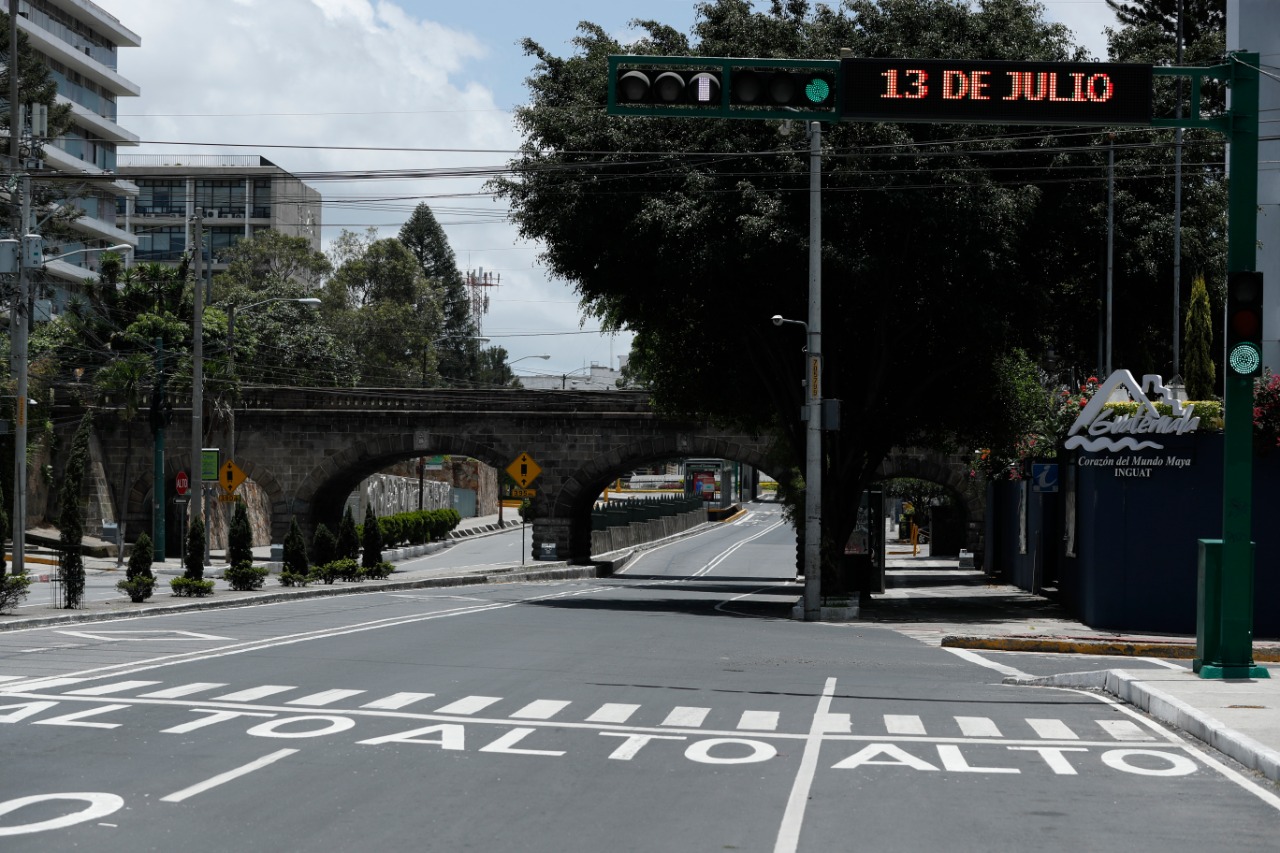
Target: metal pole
x=1177, y=216
x=1111, y=238
x=18, y=321
x=813, y=445
x=157, y=476
x=197, y=374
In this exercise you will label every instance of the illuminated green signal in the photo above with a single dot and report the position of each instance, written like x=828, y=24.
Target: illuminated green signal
x=1245, y=359
x=817, y=90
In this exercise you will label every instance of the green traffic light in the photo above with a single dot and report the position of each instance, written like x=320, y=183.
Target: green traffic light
x=817, y=90
x=1245, y=359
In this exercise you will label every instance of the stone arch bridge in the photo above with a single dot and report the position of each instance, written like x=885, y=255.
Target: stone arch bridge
x=309, y=448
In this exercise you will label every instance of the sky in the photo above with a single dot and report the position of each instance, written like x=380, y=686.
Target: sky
x=316, y=85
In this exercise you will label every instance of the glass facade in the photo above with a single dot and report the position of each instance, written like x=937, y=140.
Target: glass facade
x=66, y=28
x=162, y=243
x=262, y=198
x=89, y=147
x=82, y=91
x=161, y=197
x=225, y=197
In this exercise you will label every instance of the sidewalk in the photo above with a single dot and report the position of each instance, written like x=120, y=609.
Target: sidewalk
x=940, y=604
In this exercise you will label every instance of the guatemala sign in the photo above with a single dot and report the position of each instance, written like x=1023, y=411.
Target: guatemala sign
x=1099, y=428
x=994, y=92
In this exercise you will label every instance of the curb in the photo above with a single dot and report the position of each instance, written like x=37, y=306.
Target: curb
x=551, y=572
x=1070, y=645
x=1167, y=709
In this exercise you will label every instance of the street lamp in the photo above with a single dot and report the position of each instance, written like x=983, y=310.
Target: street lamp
x=20, y=337
x=523, y=357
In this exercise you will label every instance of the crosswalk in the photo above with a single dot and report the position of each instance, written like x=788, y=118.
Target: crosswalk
x=655, y=715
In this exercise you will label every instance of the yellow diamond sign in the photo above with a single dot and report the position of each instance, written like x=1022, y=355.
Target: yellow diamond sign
x=524, y=470
x=230, y=476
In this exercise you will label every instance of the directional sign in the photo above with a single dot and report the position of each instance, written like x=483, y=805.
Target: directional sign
x=524, y=470
x=230, y=476
x=524, y=493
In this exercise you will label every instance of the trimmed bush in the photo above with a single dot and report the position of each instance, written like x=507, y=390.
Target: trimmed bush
x=245, y=576
x=240, y=537
x=288, y=578
x=139, y=582
x=194, y=560
x=191, y=587
x=378, y=572
x=348, y=538
x=295, y=550
x=324, y=546
x=13, y=588
x=370, y=539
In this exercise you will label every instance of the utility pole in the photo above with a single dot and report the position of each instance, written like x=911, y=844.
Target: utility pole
x=813, y=444
x=157, y=477
x=197, y=375
x=18, y=312
x=1177, y=216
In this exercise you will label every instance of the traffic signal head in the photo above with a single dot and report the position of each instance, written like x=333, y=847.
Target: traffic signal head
x=759, y=87
x=1244, y=323
x=799, y=89
x=661, y=88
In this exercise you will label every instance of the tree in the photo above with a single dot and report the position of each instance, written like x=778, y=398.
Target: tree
x=457, y=346
x=240, y=537
x=71, y=514
x=348, y=541
x=271, y=259
x=295, y=551
x=193, y=562
x=1199, y=371
x=493, y=370
x=138, y=581
x=324, y=546
x=933, y=244
x=371, y=540
x=1199, y=17
x=123, y=386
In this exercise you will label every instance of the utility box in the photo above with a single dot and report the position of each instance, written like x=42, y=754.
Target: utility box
x=8, y=256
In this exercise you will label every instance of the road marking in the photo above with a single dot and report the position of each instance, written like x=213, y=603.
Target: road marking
x=75, y=718
x=223, y=778
x=1052, y=729
x=789, y=832
x=11, y=677
x=183, y=690
x=104, y=689
x=325, y=697
x=686, y=717
x=759, y=721
x=978, y=727
x=99, y=805
x=254, y=693
x=540, y=709
x=1124, y=730
x=989, y=664
x=613, y=712
x=469, y=705
x=396, y=701
x=130, y=635
x=903, y=724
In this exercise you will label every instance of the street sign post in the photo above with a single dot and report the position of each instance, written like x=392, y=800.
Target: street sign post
x=181, y=483
x=209, y=458
x=524, y=470
x=230, y=476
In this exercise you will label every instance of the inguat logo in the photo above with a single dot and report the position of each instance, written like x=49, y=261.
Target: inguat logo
x=1098, y=428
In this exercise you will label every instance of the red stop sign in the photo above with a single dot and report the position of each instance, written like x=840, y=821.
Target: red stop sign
x=181, y=482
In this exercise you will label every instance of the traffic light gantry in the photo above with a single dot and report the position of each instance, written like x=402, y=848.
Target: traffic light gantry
x=715, y=87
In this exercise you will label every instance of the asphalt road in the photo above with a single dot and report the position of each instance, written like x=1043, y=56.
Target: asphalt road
x=674, y=707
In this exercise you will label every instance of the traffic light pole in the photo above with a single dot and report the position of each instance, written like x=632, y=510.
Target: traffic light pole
x=813, y=433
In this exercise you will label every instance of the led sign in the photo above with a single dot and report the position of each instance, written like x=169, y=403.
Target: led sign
x=994, y=92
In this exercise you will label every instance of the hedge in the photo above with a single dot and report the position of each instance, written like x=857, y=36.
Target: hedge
x=415, y=528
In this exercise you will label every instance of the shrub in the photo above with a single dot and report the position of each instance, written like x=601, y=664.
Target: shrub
x=194, y=560
x=378, y=572
x=191, y=587
x=295, y=550
x=371, y=539
x=245, y=576
x=288, y=578
x=139, y=588
x=324, y=546
x=327, y=573
x=140, y=559
x=348, y=537
x=345, y=569
x=70, y=517
x=13, y=588
x=240, y=537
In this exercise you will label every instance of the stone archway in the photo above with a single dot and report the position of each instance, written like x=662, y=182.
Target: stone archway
x=949, y=471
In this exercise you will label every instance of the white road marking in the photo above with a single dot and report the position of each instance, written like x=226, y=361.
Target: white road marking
x=254, y=693
x=184, y=690
x=104, y=689
x=540, y=709
x=613, y=712
x=1124, y=730
x=686, y=717
x=11, y=677
x=396, y=701
x=978, y=727
x=326, y=697
x=99, y=805
x=161, y=634
x=792, y=819
x=222, y=778
x=759, y=721
x=903, y=724
x=989, y=664
x=1052, y=729
x=469, y=705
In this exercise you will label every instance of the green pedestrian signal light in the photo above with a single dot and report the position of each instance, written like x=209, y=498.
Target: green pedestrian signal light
x=714, y=87
x=1244, y=323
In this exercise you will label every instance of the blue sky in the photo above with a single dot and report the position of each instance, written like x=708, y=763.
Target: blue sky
x=314, y=85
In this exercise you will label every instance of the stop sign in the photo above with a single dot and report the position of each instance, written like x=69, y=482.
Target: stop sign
x=181, y=482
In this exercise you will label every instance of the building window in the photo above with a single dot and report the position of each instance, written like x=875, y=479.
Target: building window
x=161, y=197
x=164, y=243
x=220, y=198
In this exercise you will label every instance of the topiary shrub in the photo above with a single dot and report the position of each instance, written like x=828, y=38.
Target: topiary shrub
x=294, y=579
x=139, y=582
x=371, y=541
x=245, y=576
x=324, y=546
x=348, y=538
x=193, y=562
x=191, y=587
x=240, y=537
x=295, y=551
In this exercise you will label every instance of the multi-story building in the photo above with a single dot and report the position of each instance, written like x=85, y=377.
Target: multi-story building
x=235, y=195
x=78, y=41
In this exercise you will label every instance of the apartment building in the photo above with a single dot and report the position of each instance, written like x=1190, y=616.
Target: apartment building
x=236, y=196
x=79, y=42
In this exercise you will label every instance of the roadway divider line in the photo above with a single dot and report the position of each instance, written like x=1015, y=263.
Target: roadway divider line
x=223, y=778
x=793, y=818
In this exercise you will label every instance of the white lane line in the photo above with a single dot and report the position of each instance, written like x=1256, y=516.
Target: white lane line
x=978, y=727
x=254, y=693
x=4, y=678
x=43, y=684
x=1052, y=729
x=1124, y=730
x=325, y=697
x=792, y=819
x=1167, y=664
x=222, y=778
x=989, y=664
x=759, y=721
x=613, y=712
x=468, y=705
x=396, y=701
x=903, y=724
x=540, y=709
x=104, y=689
x=183, y=690
x=686, y=717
